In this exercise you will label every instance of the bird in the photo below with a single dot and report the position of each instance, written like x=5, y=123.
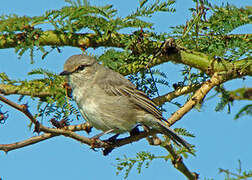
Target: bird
x=110, y=102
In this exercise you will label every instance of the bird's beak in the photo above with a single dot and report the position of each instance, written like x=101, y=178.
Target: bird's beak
x=64, y=73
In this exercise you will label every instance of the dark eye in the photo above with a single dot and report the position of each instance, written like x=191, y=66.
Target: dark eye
x=81, y=67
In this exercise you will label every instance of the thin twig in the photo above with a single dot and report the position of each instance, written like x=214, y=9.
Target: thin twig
x=176, y=93
x=9, y=147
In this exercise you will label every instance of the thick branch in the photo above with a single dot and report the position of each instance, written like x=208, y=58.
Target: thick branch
x=180, y=55
x=55, y=38
x=9, y=89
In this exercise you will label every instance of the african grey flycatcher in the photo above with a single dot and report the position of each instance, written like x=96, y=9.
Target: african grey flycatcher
x=110, y=102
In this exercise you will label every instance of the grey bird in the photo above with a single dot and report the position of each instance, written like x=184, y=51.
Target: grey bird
x=110, y=102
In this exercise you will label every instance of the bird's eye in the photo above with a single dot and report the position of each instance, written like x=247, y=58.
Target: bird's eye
x=81, y=67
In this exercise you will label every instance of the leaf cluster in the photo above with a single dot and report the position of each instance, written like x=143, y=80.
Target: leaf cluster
x=209, y=27
x=57, y=106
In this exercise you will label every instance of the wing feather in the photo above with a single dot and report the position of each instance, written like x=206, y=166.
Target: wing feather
x=114, y=84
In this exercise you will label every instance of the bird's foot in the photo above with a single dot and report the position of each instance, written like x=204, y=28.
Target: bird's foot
x=97, y=137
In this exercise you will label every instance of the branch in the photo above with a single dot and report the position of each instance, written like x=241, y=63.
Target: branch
x=9, y=147
x=178, y=163
x=199, y=95
x=9, y=89
x=176, y=158
x=23, y=108
x=56, y=38
x=36, y=139
x=177, y=55
x=174, y=94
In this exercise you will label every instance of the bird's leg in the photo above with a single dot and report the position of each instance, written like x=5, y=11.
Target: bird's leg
x=111, y=140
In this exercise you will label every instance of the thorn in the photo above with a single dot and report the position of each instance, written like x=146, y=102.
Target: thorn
x=37, y=127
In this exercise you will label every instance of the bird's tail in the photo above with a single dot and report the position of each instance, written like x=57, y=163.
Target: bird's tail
x=165, y=129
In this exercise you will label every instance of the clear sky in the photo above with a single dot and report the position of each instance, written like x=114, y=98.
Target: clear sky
x=220, y=141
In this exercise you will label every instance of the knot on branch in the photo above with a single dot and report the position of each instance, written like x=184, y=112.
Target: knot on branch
x=170, y=47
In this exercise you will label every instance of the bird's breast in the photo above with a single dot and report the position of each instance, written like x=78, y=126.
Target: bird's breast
x=105, y=112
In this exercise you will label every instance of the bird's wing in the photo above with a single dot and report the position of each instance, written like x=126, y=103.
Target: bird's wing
x=114, y=84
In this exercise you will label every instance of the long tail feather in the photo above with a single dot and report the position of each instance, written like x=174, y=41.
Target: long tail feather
x=173, y=135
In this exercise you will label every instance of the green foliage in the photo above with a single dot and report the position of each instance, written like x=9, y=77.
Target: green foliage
x=246, y=110
x=57, y=106
x=144, y=81
x=149, y=10
x=114, y=59
x=142, y=159
x=224, y=101
x=184, y=132
x=207, y=32
x=210, y=35
x=192, y=76
x=78, y=3
x=6, y=80
x=227, y=98
x=238, y=175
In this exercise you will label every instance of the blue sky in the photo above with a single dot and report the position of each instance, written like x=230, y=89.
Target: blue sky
x=220, y=141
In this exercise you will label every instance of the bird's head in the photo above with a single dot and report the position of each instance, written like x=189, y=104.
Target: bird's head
x=77, y=64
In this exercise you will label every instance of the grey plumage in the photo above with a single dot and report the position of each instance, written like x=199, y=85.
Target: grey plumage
x=110, y=102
